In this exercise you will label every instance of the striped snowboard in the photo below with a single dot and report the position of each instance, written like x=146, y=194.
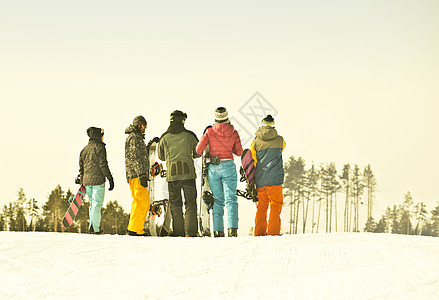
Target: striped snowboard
x=248, y=172
x=75, y=204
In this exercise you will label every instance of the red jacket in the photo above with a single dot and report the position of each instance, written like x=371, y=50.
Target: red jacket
x=223, y=141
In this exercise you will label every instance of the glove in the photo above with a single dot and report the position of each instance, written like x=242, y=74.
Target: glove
x=111, y=181
x=78, y=179
x=143, y=181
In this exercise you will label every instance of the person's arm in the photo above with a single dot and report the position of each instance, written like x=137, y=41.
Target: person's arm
x=253, y=151
x=237, y=147
x=202, y=144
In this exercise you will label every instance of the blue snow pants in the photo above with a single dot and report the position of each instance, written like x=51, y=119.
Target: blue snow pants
x=223, y=181
x=96, y=195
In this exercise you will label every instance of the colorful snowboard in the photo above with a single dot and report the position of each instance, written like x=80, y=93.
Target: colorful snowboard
x=158, y=221
x=207, y=199
x=75, y=205
x=247, y=171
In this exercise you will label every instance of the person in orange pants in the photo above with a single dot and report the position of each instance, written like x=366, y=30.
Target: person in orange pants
x=267, y=150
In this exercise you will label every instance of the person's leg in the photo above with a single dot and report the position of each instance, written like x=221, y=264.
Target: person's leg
x=276, y=201
x=176, y=202
x=139, y=207
x=89, y=192
x=261, y=212
x=230, y=182
x=95, y=209
x=216, y=186
x=190, y=203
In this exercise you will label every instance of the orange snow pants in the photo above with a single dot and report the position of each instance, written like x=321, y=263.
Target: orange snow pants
x=139, y=207
x=268, y=195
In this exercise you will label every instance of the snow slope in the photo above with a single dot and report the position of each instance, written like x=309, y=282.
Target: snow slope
x=310, y=266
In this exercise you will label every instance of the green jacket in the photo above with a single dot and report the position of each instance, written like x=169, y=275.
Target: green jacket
x=177, y=148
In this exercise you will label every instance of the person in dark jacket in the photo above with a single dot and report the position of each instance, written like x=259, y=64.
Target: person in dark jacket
x=267, y=150
x=177, y=148
x=223, y=141
x=94, y=170
x=137, y=166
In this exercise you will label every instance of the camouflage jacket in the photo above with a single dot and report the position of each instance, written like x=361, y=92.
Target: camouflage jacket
x=136, y=154
x=93, y=165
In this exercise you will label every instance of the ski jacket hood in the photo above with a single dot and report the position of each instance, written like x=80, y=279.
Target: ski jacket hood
x=266, y=133
x=223, y=129
x=135, y=130
x=223, y=141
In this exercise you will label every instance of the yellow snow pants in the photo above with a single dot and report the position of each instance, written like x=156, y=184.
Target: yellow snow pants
x=139, y=207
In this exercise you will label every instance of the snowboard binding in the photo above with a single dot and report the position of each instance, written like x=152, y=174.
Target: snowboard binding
x=208, y=199
x=211, y=160
x=157, y=169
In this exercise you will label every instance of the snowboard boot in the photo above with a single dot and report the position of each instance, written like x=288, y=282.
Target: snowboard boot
x=218, y=234
x=232, y=232
x=132, y=233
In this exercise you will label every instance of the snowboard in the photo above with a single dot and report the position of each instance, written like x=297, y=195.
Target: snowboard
x=158, y=221
x=75, y=202
x=207, y=199
x=247, y=171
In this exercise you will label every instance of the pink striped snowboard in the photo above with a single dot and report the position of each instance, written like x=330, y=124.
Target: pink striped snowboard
x=247, y=171
x=75, y=204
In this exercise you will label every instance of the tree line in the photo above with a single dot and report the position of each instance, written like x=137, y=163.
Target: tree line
x=25, y=214
x=318, y=199
x=322, y=198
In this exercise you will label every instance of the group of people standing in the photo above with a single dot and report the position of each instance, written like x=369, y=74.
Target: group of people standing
x=179, y=147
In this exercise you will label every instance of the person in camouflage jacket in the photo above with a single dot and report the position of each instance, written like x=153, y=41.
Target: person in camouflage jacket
x=94, y=170
x=137, y=168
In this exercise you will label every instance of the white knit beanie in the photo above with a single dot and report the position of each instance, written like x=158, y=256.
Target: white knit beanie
x=221, y=115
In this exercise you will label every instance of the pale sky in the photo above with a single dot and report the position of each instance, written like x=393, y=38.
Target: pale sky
x=348, y=82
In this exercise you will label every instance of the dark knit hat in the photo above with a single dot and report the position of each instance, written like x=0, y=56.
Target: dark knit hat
x=139, y=120
x=178, y=116
x=268, y=120
x=95, y=133
x=221, y=115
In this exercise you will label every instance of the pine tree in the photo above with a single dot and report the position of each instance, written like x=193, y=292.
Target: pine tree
x=346, y=186
x=2, y=222
x=357, y=192
x=53, y=210
x=20, y=215
x=381, y=226
x=370, y=183
x=294, y=183
x=421, y=216
x=435, y=221
x=371, y=225
x=407, y=212
x=33, y=213
x=114, y=219
x=313, y=186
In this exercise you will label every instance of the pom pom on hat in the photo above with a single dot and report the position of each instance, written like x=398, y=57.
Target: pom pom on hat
x=268, y=120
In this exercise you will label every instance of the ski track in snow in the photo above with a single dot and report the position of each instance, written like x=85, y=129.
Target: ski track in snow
x=309, y=266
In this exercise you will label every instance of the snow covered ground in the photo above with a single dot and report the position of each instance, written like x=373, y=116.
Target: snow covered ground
x=309, y=266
